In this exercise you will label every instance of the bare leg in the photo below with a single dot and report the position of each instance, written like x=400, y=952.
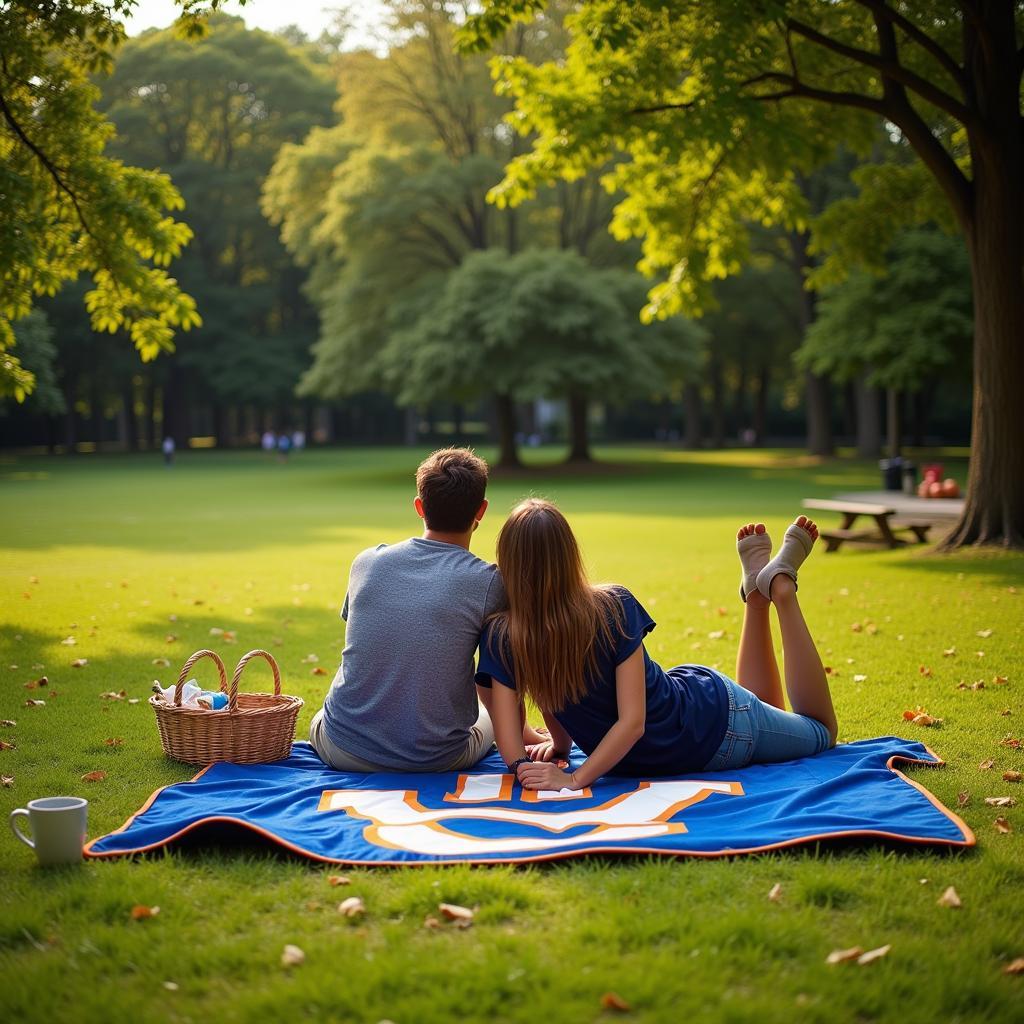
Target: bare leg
x=806, y=682
x=756, y=667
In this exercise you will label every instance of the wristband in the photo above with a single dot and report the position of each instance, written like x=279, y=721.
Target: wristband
x=514, y=766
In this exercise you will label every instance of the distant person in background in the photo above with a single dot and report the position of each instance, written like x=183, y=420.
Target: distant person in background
x=168, y=450
x=268, y=442
x=284, y=446
x=299, y=440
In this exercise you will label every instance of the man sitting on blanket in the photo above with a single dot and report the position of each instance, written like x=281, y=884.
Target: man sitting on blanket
x=404, y=697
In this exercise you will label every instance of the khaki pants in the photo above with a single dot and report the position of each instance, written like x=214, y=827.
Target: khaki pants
x=480, y=741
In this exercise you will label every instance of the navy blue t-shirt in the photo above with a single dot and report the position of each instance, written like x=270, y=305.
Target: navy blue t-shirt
x=687, y=706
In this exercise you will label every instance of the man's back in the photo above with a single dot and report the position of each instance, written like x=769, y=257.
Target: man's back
x=404, y=695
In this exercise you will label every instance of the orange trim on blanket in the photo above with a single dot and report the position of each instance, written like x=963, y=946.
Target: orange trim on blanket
x=968, y=840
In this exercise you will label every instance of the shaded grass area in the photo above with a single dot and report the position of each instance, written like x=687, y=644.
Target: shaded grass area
x=108, y=550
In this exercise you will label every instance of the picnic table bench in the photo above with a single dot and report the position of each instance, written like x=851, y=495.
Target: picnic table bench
x=883, y=531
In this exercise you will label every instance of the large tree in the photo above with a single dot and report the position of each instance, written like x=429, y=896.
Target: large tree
x=68, y=208
x=386, y=205
x=542, y=323
x=213, y=113
x=719, y=106
x=898, y=329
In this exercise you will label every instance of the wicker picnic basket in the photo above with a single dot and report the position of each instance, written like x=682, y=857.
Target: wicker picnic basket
x=254, y=727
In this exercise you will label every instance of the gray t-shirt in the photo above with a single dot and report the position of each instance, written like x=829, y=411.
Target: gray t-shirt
x=404, y=695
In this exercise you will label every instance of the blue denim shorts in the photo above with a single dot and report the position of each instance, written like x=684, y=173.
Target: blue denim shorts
x=759, y=733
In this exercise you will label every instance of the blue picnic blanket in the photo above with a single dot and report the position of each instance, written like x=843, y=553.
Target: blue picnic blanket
x=856, y=790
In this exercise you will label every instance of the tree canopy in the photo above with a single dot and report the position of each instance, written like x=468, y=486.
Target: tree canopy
x=715, y=109
x=66, y=206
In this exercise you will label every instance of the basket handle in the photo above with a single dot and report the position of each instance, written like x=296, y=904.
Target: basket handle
x=239, y=668
x=187, y=667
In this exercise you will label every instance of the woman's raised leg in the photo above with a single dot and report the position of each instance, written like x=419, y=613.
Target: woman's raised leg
x=756, y=667
x=806, y=682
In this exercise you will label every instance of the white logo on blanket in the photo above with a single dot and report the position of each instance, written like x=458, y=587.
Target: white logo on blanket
x=399, y=821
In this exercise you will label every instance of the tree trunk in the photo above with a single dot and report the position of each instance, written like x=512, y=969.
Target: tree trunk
x=411, y=426
x=994, y=509
x=760, y=423
x=717, y=405
x=869, y=426
x=894, y=421
x=819, y=412
x=131, y=419
x=694, y=435
x=505, y=413
x=579, y=439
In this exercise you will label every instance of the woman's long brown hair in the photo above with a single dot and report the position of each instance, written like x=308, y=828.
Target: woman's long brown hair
x=555, y=616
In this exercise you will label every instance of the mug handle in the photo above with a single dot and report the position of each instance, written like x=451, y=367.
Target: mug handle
x=20, y=812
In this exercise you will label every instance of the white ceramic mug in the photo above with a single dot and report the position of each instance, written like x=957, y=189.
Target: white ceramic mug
x=58, y=828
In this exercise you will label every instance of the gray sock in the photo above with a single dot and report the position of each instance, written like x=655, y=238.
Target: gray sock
x=796, y=546
x=754, y=551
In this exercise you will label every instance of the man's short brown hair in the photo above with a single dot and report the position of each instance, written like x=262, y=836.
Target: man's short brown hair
x=451, y=483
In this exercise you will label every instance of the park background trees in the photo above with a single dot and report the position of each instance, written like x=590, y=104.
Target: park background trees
x=346, y=203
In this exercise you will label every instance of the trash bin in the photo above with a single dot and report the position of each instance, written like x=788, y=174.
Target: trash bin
x=909, y=477
x=892, y=473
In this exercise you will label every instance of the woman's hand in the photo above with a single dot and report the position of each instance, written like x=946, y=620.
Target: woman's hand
x=545, y=751
x=542, y=775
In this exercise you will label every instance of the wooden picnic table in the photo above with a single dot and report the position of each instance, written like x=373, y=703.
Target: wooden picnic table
x=883, y=531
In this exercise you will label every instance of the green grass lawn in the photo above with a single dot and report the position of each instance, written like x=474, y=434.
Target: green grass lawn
x=139, y=563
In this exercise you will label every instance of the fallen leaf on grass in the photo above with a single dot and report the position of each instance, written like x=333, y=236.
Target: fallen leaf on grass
x=984, y=633
x=310, y=659
x=873, y=954
x=80, y=663
x=68, y=641
x=6, y=781
x=841, y=956
x=949, y=652
x=987, y=764
x=8, y=723
x=292, y=956
x=35, y=684
x=170, y=638
x=140, y=912
x=161, y=662
x=352, y=907
x=963, y=799
x=339, y=880
x=1002, y=825
x=920, y=716
x=1000, y=801
x=950, y=899
x=859, y=678
x=613, y=1001
x=133, y=700
x=856, y=627
x=453, y=912
x=1015, y=966
x=1010, y=741
x=113, y=741
x=171, y=986
x=1012, y=776
x=319, y=671
x=775, y=892
x=431, y=923
x=999, y=680
x=924, y=670
x=1005, y=713
x=716, y=634
x=4, y=745
x=35, y=703
x=94, y=776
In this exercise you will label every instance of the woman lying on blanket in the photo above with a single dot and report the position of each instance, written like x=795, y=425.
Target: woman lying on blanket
x=577, y=651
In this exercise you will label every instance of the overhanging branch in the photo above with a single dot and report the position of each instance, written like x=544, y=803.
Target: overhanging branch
x=887, y=68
